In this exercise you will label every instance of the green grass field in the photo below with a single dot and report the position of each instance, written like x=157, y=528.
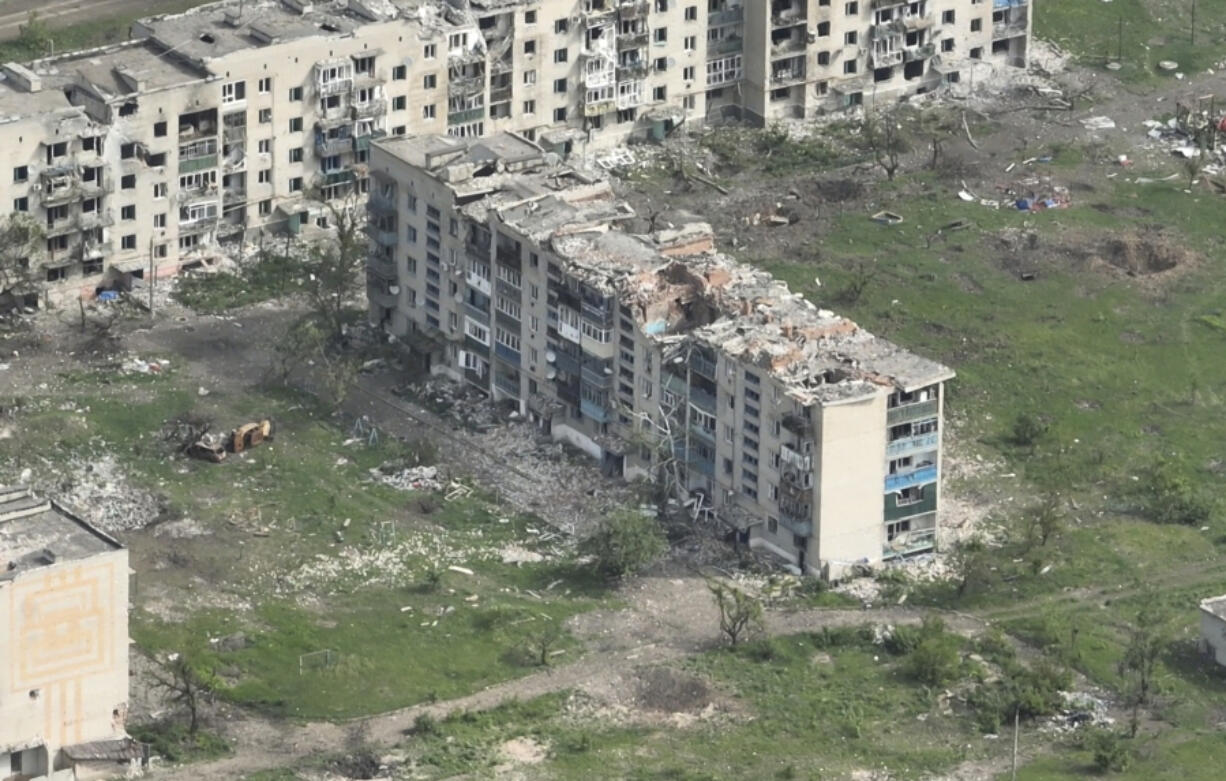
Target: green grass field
x=1140, y=33
x=304, y=554
x=802, y=706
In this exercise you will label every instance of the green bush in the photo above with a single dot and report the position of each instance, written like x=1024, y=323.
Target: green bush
x=1170, y=497
x=1027, y=430
x=1110, y=749
x=1027, y=691
x=626, y=543
x=934, y=659
x=174, y=743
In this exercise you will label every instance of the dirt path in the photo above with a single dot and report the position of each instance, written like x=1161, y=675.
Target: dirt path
x=667, y=619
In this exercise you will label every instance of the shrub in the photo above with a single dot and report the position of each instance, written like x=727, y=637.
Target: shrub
x=626, y=543
x=934, y=660
x=1110, y=749
x=1027, y=691
x=425, y=724
x=1170, y=497
x=1027, y=430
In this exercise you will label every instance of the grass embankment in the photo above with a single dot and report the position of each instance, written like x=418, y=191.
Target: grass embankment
x=295, y=547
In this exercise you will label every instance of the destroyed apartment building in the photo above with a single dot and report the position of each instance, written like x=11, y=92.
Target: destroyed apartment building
x=503, y=268
x=211, y=125
x=63, y=644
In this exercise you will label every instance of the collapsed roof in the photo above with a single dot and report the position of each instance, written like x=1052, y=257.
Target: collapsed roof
x=679, y=287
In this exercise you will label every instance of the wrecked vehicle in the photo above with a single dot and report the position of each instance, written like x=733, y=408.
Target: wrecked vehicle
x=250, y=435
x=207, y=448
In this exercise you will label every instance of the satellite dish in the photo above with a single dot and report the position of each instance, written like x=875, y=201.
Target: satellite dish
x=608, y=370
x=394, y=289
x=672, y=62
x=550, y=356
x=459, y=297
x=551, y=374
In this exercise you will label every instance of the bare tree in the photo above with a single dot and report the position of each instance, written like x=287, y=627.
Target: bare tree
x=183, y=684
x=936, y=126
x=660, y=434
x=543, y=640
x=861, y=277
x=740, y=613
x=1140, y=659
x=884, y=138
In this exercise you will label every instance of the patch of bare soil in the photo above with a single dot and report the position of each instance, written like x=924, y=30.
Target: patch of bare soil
x=669, y=691
x=523, y=751
x=1144, y=255
x=839, y=190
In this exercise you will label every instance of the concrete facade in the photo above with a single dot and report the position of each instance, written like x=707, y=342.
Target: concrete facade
x=63, y=640
x=1213, y=629
x=501, y=267
x=229, y=119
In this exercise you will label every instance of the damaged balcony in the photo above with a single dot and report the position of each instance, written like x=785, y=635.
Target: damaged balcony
x=380, y=202
x=726, y=45
x=787, y=13
x=369, y=109
x=632, y=40
x=793, y=74
x=798, y=424
x=923, y=52
x=785, y=43
x=916, y=477
x=198, y=156
x=911, y=536
x=60, y=185
x=633, y=9
x=468, y=115
x=1008, y=24
x=904, y=445
x=913, y=22
x=918, y=410
x=382, y=268
x=729, y=15
x=327, y=146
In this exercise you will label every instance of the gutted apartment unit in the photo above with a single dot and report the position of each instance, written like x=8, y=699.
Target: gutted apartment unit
x=526, y=278
x=63, y=645
x=138, y=159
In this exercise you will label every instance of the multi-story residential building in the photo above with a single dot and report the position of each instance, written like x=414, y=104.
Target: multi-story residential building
x=243, y=115
x=507, y=270
x=63, y=644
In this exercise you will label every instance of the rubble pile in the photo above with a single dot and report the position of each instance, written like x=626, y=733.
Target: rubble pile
x=567, y=491
x=1081, y=709
x=407, y=478
x=98, y=490
x=456, y=401
x=397, y=564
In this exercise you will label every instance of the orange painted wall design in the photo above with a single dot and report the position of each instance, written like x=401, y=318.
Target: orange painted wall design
x=66, y=671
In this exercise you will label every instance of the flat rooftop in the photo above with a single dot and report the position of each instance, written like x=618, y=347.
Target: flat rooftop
x=147, y=69
x=218, y=29
x=35, y=532
x=1215, y=606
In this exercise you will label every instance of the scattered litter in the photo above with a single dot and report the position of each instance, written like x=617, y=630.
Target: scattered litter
x=406, y=478
x=887, y=218
x=141, y=366
x=1098, y=123
x=461, y=570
